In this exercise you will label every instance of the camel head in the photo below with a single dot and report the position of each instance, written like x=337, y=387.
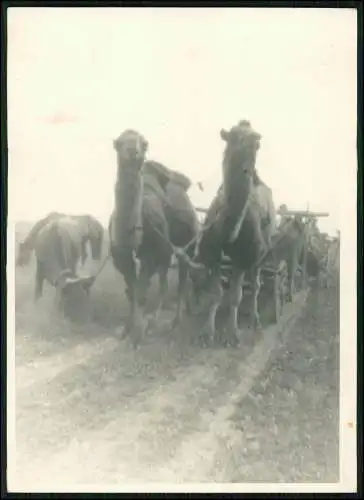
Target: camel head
x=283, y=209
x=131, y=148
x=242, y=143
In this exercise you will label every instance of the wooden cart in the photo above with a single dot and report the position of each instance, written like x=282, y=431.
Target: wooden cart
x=274, y=271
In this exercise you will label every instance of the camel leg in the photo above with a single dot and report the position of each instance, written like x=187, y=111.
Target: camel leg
x=216, y=294
x=147, y=270
x=255, y=295
x=58, y=300
x=126, y=265
x=292, y=269
x=154, y=317
x=182, y=298
x=39, y=280
x=136, y=324
x=263, y=239
x=83, y=253
x=235, y=297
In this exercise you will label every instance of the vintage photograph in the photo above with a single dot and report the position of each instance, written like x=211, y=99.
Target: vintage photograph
x=182, y=183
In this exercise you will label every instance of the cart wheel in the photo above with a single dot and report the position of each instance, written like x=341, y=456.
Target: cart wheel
x=280, y=289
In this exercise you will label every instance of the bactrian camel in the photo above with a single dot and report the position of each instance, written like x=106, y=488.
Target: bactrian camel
x=240, y=223
x=152, y=213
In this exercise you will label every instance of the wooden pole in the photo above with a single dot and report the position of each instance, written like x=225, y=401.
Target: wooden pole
x=303, y=213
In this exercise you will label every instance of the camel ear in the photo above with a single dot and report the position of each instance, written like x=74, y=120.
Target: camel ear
x=145, y=145
x=115, y=144
x=224, y=134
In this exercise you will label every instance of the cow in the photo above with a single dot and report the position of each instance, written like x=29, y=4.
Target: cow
x=58, y=248
x=89, y=229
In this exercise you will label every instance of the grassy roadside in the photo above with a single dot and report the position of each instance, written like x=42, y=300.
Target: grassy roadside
x=290, y=419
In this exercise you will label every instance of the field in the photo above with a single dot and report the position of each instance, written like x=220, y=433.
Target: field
x=91, y=410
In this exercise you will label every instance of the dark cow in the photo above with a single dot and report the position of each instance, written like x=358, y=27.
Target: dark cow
x=89, y=228
x=58, y=248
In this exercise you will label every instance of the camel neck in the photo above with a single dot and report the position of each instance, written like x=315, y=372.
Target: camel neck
x=237, y=185
x=130, y=168
x=128, y=201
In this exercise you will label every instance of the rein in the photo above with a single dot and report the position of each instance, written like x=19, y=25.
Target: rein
x=103, y=264
x=235, y=233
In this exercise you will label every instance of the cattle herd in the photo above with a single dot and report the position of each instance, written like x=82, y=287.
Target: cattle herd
x=154, y=223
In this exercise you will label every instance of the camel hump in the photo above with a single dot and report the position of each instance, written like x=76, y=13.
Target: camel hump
x=257, y=181
x=263, y=193
x=166, y=175
x=157, y=170
x=181, y=180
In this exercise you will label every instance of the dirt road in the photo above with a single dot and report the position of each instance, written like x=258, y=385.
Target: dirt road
x=90, y=410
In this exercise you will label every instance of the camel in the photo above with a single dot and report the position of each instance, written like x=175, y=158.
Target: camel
x=240, y=223
x=332, y=262
x=152, y=214
x=289, y=245
x=318, y=245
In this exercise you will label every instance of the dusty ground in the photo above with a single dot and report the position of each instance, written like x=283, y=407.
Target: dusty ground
x=89, y=409
x=290, y=418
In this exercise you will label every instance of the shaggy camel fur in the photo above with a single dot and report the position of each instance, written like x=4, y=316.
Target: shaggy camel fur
x=240, y=223
x=152, y=213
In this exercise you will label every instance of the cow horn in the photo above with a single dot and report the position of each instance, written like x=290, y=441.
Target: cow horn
x=84, y=281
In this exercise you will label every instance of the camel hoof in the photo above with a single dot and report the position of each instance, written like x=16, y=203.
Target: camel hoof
x=207, y=336
x=175, y=323
x=258, y=327
x=135, y=343
x=204, y=342
x=136, y=337
x=122, y=332
x=136, y=331
x=230, y=343
x=151, y=324
x=255, y=326
x=232, y=339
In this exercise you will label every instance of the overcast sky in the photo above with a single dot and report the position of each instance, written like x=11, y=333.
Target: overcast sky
x=78, y=77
